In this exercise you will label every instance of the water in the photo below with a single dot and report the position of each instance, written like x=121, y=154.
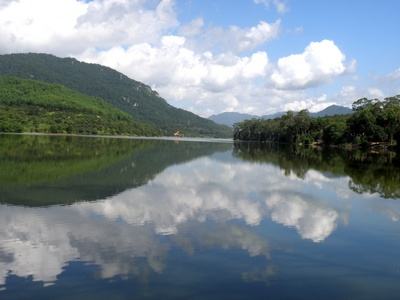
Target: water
x=96, y=218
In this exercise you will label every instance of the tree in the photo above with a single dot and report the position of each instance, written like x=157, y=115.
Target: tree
x=334, y=133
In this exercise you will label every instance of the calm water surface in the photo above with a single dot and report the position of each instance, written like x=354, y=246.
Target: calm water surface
x=93, y=218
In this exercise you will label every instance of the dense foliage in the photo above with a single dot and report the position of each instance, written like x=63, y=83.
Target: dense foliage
x=368, y=172
x=373, y=121
x=135, y=98
x=34, y=106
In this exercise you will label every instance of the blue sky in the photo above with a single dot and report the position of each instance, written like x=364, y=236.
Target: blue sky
x=364, y=30
x=253, y=56
x=368, y=30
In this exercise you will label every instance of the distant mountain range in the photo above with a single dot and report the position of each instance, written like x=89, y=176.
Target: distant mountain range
x=138, y=100
x=230, y=118
x=333, y=110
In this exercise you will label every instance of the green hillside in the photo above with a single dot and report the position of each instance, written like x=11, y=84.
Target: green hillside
x=35, y=106
x=131, y=96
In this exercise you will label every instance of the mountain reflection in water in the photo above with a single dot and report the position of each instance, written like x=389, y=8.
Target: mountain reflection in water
x=189, y=218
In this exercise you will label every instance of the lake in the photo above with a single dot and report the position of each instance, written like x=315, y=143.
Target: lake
x=101, y=218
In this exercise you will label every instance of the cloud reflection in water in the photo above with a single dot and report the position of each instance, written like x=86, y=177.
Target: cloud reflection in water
x=231, y=195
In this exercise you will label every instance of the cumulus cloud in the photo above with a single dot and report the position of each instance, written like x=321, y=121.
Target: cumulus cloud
x=73, y=26
x=67, y=27
x=255, y=36
x=312, y=104
x=180, y=73
x=196, y=66
x=232, y=39
x=320, y=62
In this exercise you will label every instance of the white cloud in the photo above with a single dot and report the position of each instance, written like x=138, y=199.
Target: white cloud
x=70, y=26
x=193, y=28
x=312, y=104
x=232, y=39
x=375, y=92
x=348, y=91
x=256, y=35
x=180, y=73
x=27, y=25
x=320, y=62
x=279, y=5
x=196, y=66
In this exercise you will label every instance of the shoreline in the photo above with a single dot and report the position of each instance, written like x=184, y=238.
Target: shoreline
x=128, y=137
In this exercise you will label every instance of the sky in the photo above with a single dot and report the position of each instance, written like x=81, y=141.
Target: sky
x=211, y=56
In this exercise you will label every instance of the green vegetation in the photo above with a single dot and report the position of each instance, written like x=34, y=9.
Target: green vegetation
x=372, y=122
x=34, y=106
x=135, y=98
x=369, y=172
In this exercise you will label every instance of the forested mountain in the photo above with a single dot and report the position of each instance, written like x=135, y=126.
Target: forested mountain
x=273, y=116
x=35, y=106
x=333, y=110
x=230, y=118
x=133, y=97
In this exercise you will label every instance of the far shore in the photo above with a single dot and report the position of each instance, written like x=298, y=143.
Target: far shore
x=166, y=138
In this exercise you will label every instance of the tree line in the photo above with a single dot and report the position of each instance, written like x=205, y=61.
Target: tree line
x=372, y=121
